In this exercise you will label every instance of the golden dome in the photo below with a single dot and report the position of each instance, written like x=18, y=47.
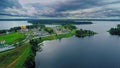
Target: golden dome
x=23, y=27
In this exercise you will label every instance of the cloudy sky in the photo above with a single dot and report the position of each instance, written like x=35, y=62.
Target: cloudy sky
x=60, y=8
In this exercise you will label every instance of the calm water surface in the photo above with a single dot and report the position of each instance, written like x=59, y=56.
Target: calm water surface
x=99, y=51
x=10, y=24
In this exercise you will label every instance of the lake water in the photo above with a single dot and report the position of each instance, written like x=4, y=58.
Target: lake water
x=99, y=51
x=10, y=24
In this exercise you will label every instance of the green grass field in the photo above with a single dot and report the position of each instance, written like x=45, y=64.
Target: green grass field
x=15, y=58
x=12, y=37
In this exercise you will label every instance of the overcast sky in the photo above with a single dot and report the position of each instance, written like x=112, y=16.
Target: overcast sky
x=61, y=8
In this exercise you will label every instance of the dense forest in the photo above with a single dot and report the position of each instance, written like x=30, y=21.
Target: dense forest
x=58, y=22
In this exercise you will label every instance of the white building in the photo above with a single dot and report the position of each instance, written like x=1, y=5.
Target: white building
x=2, y=42
x=39, y=33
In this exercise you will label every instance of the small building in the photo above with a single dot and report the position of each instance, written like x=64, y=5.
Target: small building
x=2, y=41
x=7, y=32
x=40, y=33
x=60, y=30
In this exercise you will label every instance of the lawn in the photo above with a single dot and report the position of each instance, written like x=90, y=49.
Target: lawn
x=15, y=58
x=12, y=37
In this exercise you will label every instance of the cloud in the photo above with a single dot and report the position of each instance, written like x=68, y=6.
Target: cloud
x=42, y=2
x=9, y=3
x=61, y=8
x=32, y=11
x=99, y=11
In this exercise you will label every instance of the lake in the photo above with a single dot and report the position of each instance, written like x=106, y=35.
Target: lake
x=99, y=51
x=10, y=24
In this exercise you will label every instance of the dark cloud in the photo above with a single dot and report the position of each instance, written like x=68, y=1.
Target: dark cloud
x=78, y=4
x=86, y=8
x=9, y=3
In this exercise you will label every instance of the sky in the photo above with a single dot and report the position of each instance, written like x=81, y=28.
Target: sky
x=60, y=8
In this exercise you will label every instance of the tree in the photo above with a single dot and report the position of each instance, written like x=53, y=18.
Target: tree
x=3, y=31
x=69, y=26
x=49, y=30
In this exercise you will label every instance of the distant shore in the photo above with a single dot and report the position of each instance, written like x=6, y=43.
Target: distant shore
x=99, y=19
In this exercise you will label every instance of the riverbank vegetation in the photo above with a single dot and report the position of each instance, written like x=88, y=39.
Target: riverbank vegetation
x=115, y=31
x=30, y=61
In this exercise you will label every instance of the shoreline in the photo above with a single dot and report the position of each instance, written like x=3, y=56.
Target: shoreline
x=42, y=39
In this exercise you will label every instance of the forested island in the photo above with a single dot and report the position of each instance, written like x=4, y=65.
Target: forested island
x=115, y=31
x=58, y=21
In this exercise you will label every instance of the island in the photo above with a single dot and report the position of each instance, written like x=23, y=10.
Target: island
x=20, y=44
x=115, y=31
